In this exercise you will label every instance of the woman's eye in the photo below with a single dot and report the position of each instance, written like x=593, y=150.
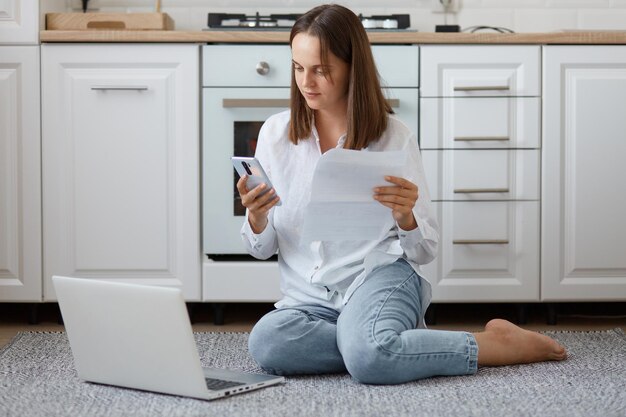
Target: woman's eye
x=299, y=69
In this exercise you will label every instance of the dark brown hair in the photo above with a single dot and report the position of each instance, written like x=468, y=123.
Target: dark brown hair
x=340, y=31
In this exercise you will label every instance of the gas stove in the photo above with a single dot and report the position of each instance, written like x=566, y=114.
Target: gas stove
x=230, y=21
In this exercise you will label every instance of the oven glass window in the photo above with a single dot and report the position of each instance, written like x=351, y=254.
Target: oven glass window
x=246, y=134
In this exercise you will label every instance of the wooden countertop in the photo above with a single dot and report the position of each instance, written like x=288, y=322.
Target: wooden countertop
x=233, y=36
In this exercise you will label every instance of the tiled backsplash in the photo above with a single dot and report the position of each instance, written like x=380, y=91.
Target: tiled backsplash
x=518, y=15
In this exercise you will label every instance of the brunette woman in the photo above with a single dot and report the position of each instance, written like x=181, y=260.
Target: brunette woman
x=354, y=305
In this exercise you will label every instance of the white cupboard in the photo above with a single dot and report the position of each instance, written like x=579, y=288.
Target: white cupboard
x=19, y=22
x=121, y=164
x=480, y=140
x=583, y=233
x=20, y=174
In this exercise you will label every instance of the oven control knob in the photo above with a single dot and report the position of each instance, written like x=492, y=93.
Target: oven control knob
x=263, y=68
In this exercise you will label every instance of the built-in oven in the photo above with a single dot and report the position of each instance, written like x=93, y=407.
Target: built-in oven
x=243, y=84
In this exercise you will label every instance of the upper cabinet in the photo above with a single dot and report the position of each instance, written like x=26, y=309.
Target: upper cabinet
x=20, y=174
x=19, y=22
x=584, y=148
x=121, y=164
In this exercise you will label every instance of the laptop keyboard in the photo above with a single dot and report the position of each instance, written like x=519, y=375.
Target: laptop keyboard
x=219, y=384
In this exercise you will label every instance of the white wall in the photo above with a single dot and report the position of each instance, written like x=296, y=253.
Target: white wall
x=519, y=15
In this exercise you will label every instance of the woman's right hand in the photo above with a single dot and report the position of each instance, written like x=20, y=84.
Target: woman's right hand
x=258, y=205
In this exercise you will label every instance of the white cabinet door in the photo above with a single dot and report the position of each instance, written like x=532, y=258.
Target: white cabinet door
x=20, y=174
x=485, y=174
x=583, y=191
x=480, y=70
x=121, y=164
x=19, y=22
x=480, y=139
x=487, y=252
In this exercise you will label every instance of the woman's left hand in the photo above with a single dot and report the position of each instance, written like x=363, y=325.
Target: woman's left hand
x=400, y=198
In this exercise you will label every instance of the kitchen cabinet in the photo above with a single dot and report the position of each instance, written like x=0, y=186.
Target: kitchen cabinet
x=583, y=232
x=480, y=141
x=120, y=154
x=19, y=22
x=20, y=174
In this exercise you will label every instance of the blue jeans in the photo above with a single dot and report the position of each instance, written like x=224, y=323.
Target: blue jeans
x=374, y=338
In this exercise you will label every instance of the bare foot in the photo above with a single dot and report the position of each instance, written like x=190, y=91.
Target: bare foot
x=503, y=343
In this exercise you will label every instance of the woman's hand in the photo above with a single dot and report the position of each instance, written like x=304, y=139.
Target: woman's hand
x=258, y=205
x=400, y=198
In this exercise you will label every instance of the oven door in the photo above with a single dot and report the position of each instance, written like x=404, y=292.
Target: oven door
x=232, y=118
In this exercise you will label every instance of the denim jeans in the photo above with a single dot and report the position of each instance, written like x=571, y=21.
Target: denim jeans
x=374, y=337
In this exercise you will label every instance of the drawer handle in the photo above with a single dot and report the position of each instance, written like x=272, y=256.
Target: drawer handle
x=255, y=102
x=480, y=190
x=481, y=138
x=483, y=88
x=480, y=242
x=119, y=87
x=262, y=68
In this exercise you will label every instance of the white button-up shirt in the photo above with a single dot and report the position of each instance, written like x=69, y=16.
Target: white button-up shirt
x=327, y=273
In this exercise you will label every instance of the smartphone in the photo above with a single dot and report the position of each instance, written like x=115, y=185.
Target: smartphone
x=256, y=174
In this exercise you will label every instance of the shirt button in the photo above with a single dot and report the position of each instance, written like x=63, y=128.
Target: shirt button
x=316, y=268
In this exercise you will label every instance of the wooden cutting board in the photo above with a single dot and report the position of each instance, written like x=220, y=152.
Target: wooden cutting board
x=109, y=21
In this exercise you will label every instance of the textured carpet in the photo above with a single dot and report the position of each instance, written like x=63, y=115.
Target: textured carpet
x=37, y=378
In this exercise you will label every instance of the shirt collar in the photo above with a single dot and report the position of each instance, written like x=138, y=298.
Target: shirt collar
x=315, y=135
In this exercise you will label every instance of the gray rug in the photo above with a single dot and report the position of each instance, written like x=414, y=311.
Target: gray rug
x=37, y=378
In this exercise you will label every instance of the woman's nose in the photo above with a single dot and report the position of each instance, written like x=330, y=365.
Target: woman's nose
x=307, y=78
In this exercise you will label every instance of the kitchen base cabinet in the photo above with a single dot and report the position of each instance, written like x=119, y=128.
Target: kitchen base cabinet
x=121, y=164
x=480, y=141
x=20, y=174
x=232, y=281
x=19, y=22
x=583, y=236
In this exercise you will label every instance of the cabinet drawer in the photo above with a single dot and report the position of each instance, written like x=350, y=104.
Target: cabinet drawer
x=471, y=175
x=236, y=65
x=469, y=71
x=488, y=251
x=482, y=122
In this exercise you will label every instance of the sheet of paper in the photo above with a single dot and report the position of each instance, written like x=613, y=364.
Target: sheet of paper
x=342, y=205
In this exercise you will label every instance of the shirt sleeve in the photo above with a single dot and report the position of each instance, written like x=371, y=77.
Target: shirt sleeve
x=264, y=244
x=261, y=245
x=421, y=244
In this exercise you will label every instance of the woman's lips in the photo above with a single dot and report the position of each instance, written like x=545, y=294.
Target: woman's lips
x=311, y=95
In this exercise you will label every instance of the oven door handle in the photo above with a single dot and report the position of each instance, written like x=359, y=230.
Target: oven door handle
x=274, y=102
x=255, y=102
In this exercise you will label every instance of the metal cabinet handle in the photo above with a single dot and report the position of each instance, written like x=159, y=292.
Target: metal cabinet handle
x=120, y=87
x=262, y=68
x=483, y=88
x=480, y=190
x=481, y=138
x=480, y=242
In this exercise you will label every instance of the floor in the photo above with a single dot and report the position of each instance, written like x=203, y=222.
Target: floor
x=240, y=317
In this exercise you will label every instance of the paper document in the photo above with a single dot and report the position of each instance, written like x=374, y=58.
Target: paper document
x=342, y=205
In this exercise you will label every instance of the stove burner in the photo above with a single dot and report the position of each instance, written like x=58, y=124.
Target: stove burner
x=241, y=21
x=286, y=21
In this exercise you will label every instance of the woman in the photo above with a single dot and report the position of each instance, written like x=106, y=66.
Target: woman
x=354, y=305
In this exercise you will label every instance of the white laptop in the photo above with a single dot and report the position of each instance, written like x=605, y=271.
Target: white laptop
x=139, y=336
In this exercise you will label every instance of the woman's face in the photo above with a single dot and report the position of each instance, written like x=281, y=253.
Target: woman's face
x=324, y=88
